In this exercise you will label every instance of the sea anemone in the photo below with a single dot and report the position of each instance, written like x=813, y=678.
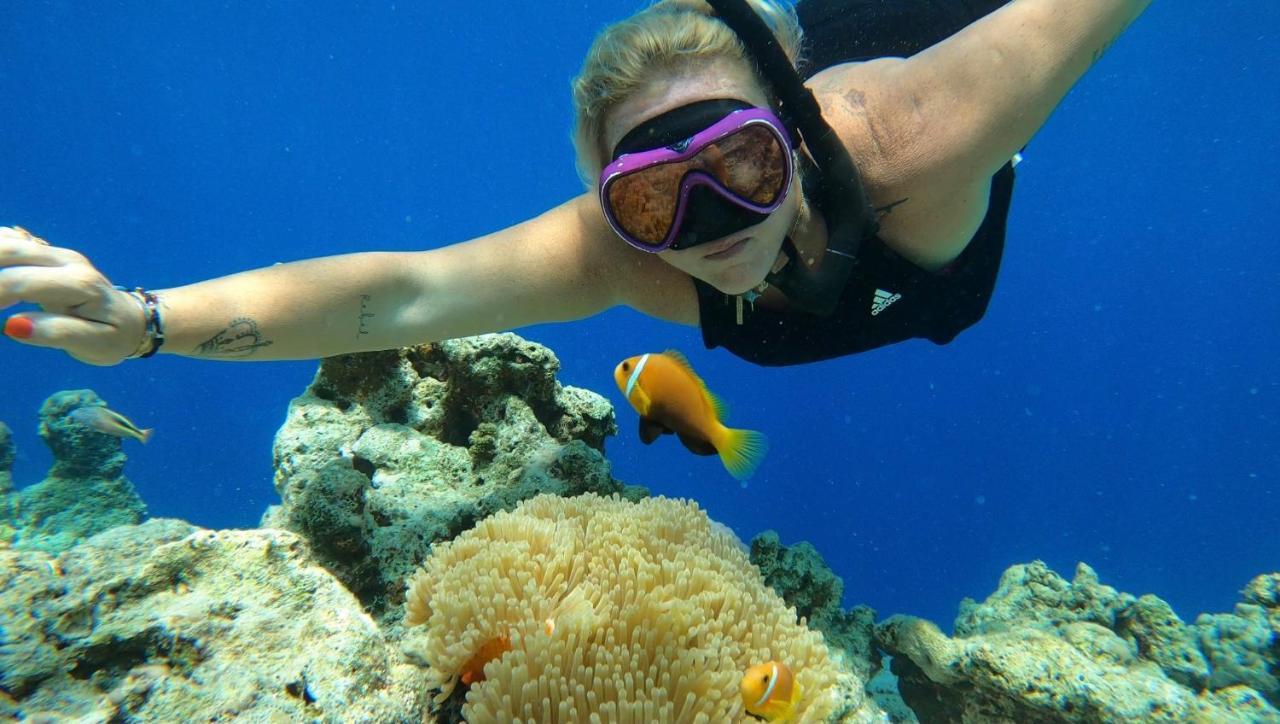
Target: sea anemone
x=566, y=607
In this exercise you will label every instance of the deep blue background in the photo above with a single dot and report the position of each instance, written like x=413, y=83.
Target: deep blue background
x=1118, y=405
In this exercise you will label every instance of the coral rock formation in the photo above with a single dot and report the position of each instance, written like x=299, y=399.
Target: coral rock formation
x=167, y=622
x=1045, y=649
x=800, y=575
x=389, y=452
x=85, y=491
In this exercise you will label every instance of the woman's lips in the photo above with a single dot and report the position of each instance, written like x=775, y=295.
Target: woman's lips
x=731, y=250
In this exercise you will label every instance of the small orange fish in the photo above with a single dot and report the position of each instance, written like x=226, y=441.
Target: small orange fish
x=770, y=691
x=671, y=398
x=109, y=422
x=473, y=671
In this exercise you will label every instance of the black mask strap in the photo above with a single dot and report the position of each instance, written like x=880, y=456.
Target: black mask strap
x=677, y=125
x=849, y=215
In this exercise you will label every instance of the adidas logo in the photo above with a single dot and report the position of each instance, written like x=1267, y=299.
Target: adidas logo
x=882, y=301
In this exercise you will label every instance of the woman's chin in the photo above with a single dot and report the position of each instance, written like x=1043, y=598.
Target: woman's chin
x=736, y=281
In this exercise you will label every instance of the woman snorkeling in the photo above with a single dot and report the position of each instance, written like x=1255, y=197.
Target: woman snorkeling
x=791, y=222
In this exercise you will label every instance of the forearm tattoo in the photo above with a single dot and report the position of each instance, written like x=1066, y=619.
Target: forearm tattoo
x=365, y=315
x=1098, y=53
x=888, y=208
x=238, y=340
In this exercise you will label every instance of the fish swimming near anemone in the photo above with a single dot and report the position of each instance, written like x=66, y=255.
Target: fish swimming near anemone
x=472, y=671
x=672, y=398
x=109, y=422
x=770, y=691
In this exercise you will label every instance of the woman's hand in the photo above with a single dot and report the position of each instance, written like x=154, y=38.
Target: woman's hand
x=82, y=313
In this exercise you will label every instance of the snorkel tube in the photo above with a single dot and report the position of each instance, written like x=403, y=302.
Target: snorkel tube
x=849, y=215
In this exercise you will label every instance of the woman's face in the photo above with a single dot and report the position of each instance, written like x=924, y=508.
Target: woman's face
x=740, y=261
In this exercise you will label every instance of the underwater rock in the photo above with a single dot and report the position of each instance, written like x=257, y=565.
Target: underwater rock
x=7, y=453
x=78, y=451
x=800, y=575
x=85, y=491
x=389, y=452
x=1031, y=594
x=1244, y=647
x=1044, y=649
x=167, y=622
x=1159, y=635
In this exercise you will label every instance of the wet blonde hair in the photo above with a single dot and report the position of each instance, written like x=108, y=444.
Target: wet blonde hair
x=667, y=36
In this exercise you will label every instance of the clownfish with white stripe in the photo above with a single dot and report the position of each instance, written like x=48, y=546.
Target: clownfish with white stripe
x=671, y=398
x=770, y=691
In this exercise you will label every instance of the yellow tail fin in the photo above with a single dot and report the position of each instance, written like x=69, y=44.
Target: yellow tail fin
x=742, y=451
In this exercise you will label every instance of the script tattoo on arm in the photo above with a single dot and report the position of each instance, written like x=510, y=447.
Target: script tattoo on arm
x=1097, y=54
x=365, y=314
x=239, y=339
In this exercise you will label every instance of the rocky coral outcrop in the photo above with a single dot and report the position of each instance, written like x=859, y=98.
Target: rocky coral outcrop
x=85, y=491
x=167, y=622
x=7, y=453
x=800, y=575
x=389, y=452
x=1244, y=647
x=1044, y=649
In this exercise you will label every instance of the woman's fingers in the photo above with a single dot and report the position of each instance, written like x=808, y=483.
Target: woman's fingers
x=91, y=342
x=54, y=288
x=82, y=313
x=28, y=235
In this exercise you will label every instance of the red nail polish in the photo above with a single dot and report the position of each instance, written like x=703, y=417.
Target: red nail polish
x=19, y=327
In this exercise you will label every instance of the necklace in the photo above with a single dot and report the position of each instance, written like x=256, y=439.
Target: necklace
x=752, y=294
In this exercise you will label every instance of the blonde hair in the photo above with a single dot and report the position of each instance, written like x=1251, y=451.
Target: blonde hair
x=589, y=605
x=670, y=34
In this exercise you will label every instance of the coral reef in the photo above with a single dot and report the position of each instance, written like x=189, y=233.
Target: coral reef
x=1044, y=649
x=800, y=575
x=457, y=456
x=85, y=491
x=387, y=453
x=7, y=453
x=565, y=607
x=1243, y=648
x=167, y=622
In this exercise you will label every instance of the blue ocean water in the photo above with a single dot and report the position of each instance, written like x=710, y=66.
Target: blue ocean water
x=1119, y=404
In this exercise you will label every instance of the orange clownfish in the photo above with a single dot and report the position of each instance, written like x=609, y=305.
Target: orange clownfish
x=671, y=398
x=770, y=691
x=473, y=671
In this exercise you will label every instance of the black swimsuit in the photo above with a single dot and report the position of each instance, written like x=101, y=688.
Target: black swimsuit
x=887, y=298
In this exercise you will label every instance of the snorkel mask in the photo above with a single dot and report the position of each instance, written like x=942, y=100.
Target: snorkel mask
x=690, y=197
x=695, y=174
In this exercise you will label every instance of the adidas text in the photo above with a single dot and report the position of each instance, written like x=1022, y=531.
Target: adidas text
x=882, y=301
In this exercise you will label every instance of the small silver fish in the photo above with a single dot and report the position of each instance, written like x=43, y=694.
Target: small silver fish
x=109, y=422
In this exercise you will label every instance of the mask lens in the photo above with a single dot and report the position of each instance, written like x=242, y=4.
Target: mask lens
x=750, y=165
x=644, y=203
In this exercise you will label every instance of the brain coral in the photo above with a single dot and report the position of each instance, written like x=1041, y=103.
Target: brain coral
x=565, y=608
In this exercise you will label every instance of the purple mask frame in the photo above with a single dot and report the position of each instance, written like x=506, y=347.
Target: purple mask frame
x=629, y=163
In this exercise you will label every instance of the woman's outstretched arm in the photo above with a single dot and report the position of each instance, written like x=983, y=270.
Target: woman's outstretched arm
x=985, y=91
x=550, y=268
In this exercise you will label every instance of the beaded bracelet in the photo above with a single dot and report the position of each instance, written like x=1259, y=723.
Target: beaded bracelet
x=153, y=337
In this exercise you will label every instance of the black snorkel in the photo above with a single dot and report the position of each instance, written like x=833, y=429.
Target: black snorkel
x=848, y=212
